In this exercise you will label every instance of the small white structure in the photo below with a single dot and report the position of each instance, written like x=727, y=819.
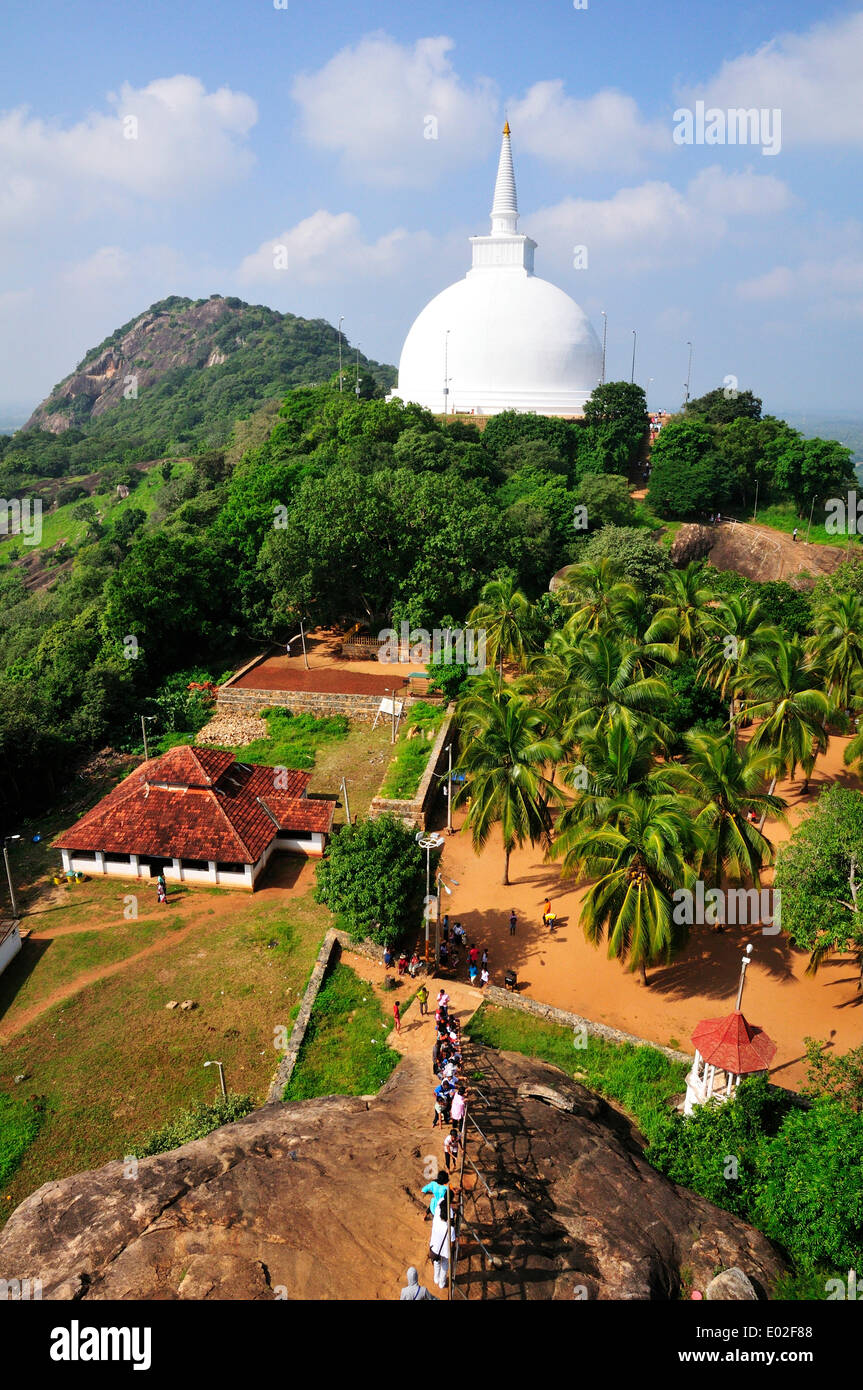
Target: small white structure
x=501, y=338
x=726, y=1050
x=10, y=943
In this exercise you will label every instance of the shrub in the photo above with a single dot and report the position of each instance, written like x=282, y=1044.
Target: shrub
x=195, y=1123
x=642, y=560
x=372, y=879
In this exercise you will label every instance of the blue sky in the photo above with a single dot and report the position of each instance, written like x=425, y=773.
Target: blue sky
x=307, y=127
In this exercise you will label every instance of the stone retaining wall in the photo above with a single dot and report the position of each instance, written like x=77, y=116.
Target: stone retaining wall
x=361, y=707
x=509, y=1000
x=330, y=948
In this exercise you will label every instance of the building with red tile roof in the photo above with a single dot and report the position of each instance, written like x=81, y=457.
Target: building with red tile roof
x=198, y=815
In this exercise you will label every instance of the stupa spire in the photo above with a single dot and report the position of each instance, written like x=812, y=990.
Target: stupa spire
x=504, y=211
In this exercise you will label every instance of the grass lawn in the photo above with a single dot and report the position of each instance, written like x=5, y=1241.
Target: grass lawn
x=411, y=757
x=43, y=966
x=344, y=1052
x=21, y=1118
x=640, y=1079
x=112, y=1064
x=59, y=524
x=784, y=517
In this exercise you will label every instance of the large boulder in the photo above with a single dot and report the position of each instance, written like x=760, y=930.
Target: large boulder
x=320, y=1199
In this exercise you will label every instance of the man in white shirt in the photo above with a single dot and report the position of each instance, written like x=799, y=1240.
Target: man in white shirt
x=439, y=1245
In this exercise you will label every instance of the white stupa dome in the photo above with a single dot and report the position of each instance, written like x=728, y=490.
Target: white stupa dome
x=501, y=338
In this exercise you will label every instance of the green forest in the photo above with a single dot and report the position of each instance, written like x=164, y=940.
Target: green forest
x=332, y=508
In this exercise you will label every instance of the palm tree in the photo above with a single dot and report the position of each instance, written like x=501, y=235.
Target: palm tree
x=725, y=784
x=595, y=589
x=506, y=615
x=608, y=683
x=503, y=762
x=733, y=631
x=639, y=858
x=614, y=760
x=783, y=686
x=682, y=606
x=838, y=643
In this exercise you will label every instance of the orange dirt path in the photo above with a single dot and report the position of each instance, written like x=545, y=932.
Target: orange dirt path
x=562, y=969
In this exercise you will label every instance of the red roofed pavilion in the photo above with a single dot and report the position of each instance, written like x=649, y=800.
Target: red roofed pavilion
x=731, y=1045
x=199, y=816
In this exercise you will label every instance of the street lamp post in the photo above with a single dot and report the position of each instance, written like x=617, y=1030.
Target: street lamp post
x=357, y=386
x=688, y=374
x=634, y=345
x=604, y=343
x=221, y=1074
x=446, y=372
x=8, y=840
x=146, y=719
x=428, y=842
x=441, y=882
x=449, y=791
x=744, y=962
x=347, y=803
x=341, y=321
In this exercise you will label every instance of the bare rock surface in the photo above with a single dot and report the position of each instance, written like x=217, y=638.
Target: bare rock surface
x=731, y=1285
x=320, y=1199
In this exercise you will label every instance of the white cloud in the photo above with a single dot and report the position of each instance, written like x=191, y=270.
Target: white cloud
x=813, y=78
x=169, y=138
x=604, y=131
x=111, y=269
x=328, y=248
x=656, y=224
x=833, y=289
x=397, y=116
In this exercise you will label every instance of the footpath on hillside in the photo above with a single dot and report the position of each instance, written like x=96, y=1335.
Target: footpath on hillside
x=415, y=1042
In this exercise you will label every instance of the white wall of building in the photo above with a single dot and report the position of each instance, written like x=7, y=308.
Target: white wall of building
x=9, y=946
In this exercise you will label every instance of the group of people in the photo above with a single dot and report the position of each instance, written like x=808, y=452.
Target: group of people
x=403, y=965
x=477, y=963
x=450, y=1103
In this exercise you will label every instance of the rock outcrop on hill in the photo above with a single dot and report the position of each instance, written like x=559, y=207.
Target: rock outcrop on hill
x=757, y=552
x=320, y=1199
x=257, y=347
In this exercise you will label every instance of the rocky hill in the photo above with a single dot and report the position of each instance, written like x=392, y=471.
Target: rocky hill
x=321, y=1199
x=757, y=552
x=186, y=362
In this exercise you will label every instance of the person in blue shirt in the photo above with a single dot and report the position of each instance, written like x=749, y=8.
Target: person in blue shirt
x=438, y=1190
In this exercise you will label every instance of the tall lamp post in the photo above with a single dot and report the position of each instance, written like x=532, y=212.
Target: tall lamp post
x=688, y=374
x=221, y=1074
x=429, y=840
x=446, y=372
x=634, y=346
x=145, y=720
x=357, y=386
x=341, y=321
x=744, y=961
x=447, y=885
x=604, y=343
x=10, y=840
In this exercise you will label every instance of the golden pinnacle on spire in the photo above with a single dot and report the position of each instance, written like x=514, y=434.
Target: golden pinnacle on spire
x=506, y=129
